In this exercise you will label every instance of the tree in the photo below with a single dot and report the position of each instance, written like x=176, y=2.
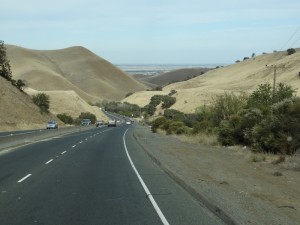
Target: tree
x=5, y=70
x=42, y=101
x=88, y=115
x=291, y=51
x=20, y=84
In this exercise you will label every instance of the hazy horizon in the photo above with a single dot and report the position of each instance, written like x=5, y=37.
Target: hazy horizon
x=166, y=32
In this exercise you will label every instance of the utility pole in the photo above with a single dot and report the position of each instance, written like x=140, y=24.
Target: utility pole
x=274, y=76
x=274, y=81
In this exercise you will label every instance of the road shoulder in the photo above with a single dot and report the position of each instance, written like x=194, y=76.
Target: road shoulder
x=236, y=189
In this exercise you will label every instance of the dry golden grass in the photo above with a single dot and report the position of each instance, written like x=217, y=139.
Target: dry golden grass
x=17, y=110
x=70, y=103
x=74, y=68
x=238, y=78
x=199, y=139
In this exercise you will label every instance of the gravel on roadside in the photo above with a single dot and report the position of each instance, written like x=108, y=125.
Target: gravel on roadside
x=233, y=187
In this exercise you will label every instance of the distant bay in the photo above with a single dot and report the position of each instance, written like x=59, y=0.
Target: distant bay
x=156, y=69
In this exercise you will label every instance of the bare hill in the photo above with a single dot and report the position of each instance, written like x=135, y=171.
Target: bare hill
x=17, y=110
x=72, y=69
x=172, y=76
x=244, y=76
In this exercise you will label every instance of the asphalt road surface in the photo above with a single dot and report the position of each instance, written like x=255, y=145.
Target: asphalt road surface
x=96, y=176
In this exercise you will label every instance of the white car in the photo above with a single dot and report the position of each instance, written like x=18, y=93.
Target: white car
x=51, y=125
x=128, y=122
x=112, y=123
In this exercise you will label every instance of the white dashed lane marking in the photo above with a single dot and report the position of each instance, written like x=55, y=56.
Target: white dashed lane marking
x=24, y=178
x=49, y=161
x=63, y=152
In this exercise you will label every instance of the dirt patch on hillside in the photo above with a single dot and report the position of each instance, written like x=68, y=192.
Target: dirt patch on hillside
x=249, y=188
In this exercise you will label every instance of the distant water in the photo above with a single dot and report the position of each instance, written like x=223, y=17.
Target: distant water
x=155, y=69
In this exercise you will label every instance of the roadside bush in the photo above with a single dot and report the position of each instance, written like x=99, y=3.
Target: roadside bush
x=226, y=105
x=191, y=119
x=264, y=135
x=42, y=101
x=204, y=126
x=65, y=118
x=173, y=114
x=262, y=98
x=157, y=123
x=225, y=133
x=248, y=119
x=87, y=115
x=176, y=127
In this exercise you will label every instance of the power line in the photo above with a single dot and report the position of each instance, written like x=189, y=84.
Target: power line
x=291, y=38
x=295, y=41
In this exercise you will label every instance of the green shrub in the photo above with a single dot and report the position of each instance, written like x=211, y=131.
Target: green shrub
x=5, y=69
x=149, y=109
x=168, y=101
x=157, y=123
x=226, y=105
x=173, y=114
x=225, y=133
x=42, y=101
x=87, y=115
x=176, y=127
x=65, y=118
x=20, y=84
x=291, y=51
x=204, y=126
x=172, y=92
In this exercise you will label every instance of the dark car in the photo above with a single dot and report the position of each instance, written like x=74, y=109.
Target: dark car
x=99, y=123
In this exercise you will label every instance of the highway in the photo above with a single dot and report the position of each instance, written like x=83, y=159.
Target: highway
x=95, y=176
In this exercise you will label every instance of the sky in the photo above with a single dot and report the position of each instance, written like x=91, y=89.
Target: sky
x=154, y=31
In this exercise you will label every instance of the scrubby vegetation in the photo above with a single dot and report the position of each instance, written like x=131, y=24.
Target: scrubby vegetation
x=267, y=120
x=85, y=115
x=5, y=70
x=126, y=109
x=166, y=100
x=67, y=119
x=42, y=101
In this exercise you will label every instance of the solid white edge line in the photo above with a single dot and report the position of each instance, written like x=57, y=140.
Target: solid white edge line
x=49, y=161
x=156, y=207
x=24, y=178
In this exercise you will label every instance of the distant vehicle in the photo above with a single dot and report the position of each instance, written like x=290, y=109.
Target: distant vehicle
x=86, y=122
x=112, y=123
x=52, y=125
x=99, y=123
x=128, y=122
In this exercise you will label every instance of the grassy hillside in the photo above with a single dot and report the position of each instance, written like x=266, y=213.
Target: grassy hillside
x=244, y=76
x=71, y=69
x=17, y=110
